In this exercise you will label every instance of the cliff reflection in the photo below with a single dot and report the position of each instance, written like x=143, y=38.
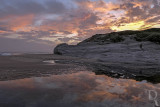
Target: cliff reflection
x=76, y=89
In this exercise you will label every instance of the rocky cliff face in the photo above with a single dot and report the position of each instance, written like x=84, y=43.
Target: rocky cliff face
x=133, y=49
x=122, y=46
x=127, y=51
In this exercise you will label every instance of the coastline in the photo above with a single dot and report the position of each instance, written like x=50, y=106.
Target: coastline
x=37, y=65
x=32, y=65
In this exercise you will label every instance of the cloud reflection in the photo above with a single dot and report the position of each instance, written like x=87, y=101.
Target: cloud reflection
x=82, y=88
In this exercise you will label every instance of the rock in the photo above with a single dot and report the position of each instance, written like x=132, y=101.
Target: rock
x=60, y=48
x=121, y=48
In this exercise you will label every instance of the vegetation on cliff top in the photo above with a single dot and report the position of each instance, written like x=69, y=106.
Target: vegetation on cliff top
x=152, y=35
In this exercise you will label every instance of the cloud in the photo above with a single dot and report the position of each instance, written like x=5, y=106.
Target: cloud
x=21, y=45
x=19, y=7
x=57, y=21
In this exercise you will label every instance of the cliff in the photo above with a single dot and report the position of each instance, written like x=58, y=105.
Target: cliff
x=136, y=51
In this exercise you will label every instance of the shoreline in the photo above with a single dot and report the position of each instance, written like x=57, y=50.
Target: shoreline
x=33, y=65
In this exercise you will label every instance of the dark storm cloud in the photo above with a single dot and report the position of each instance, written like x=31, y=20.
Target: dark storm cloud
x=55, y=7
x=19, y=7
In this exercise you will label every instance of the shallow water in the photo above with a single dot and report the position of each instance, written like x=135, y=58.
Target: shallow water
x=81, y=89
x=49, y=62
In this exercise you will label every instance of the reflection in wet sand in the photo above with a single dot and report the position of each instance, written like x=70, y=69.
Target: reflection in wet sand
x=49, y=61
x=81, y=89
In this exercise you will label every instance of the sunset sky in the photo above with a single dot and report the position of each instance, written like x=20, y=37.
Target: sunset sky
x=39, y=25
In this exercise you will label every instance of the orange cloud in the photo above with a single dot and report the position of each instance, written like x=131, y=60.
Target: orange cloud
x=88, y=18
x=22, y=23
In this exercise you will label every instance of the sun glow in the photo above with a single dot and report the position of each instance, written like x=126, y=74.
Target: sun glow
x=129, y=26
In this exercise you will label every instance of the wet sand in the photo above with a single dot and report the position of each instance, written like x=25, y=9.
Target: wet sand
x=46, y=80
x=37, y=65
x=31, y=65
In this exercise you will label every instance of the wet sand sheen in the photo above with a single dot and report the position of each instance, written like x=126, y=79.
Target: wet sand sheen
x=31, y=65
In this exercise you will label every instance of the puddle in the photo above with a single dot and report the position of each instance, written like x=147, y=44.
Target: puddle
x=81, y=89
x=49, y=61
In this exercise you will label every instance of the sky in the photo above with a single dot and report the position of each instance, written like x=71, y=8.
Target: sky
x=39, y=25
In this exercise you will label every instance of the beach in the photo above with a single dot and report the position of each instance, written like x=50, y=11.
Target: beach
x=36, y=65
x=31, y=65
x=48, y=80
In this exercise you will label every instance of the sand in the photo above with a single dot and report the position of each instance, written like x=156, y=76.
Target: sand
x=31, y=65
x=37, y=65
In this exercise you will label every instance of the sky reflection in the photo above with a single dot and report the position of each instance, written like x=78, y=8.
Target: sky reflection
x=76, y=89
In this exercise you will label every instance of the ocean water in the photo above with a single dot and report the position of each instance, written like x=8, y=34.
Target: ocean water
x=9, y=54
x=20, y=53
x=5, y=54
x=79, y=89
